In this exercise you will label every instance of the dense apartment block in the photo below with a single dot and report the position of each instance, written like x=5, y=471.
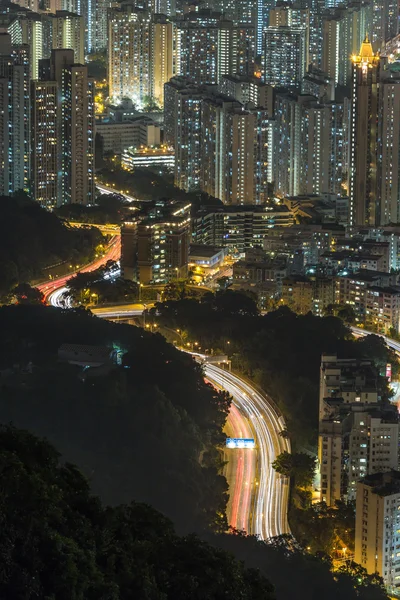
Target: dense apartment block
x=14, y=117
x=343, y=32
x=129, y=52
x=221, y=148
x=42, y=32
x=310, y=157
x=208, y=46
x=377, y=538
x=62, y=137
x=285, y=56
x=358, y=433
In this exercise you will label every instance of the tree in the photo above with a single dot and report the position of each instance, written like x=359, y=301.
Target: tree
x=150, y=105
x=57, y=541
x=298, y=466
x=36, y=240
x=235, y=303
x=347, y=314
x=26, y=294
x=223, y=282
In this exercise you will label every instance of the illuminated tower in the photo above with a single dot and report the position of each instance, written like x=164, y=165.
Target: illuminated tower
x=364, y=137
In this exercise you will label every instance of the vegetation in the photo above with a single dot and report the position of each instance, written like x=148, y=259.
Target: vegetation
x=150, y=105
x=299, y=466
x=109, y=208
x=23, y=293
x=32, y=238
x=300, y=574
x=147, y=429
x=145, y=184
x=101, y=286
x=280, y=351
x=320, y=528
x=58, y=541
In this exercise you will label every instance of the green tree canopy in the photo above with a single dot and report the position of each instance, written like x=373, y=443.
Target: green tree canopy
x=299, y=466
x=58, y=542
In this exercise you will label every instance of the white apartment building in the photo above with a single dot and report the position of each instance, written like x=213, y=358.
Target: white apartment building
x=377, y=540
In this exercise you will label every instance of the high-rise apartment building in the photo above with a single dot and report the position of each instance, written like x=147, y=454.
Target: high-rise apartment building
x=237, y=151
x=34, y=30
x=285, y=56
x=311, y=153
x=62, y=141
x=377, y=538
x=343, y=34
x=209, y=47
x=14, y=117
x=385, y=22
x=248, y=89
x=363, y=150
x=161, y=55
x=46, y=31
x=389, y=145
x=248, y=13
x=128, y=52
x=155, y=247
x=69, y=32
x=45, y=143
x=291, y=16
x=220, y=147
x=357, y=434
x=182, y=130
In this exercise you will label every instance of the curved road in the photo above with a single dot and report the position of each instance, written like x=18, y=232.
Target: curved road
x=260, y=497
x=391, y=343
x=54, y=289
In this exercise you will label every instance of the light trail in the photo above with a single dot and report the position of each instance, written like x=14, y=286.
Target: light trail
x=259, y=499
x=106, y=189
x=240, y=471
x=51, y=289
x=267, y=515
x=391, y=343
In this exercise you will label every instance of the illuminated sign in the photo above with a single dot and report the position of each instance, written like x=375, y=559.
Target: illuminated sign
x=240, y=443
x=389, y=371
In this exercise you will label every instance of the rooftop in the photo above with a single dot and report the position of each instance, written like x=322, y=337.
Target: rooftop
x=383, y=484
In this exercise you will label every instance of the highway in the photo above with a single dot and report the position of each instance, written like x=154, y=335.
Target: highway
x=391, y=343
x=53, y=290
x=259, y=501
x=107, y=189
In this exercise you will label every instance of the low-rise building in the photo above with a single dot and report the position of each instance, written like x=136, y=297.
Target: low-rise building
x=159, y=156
x=266, y=273
x=137, y=133
x=297, y=294
x=238, y=228
x=207, y=257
